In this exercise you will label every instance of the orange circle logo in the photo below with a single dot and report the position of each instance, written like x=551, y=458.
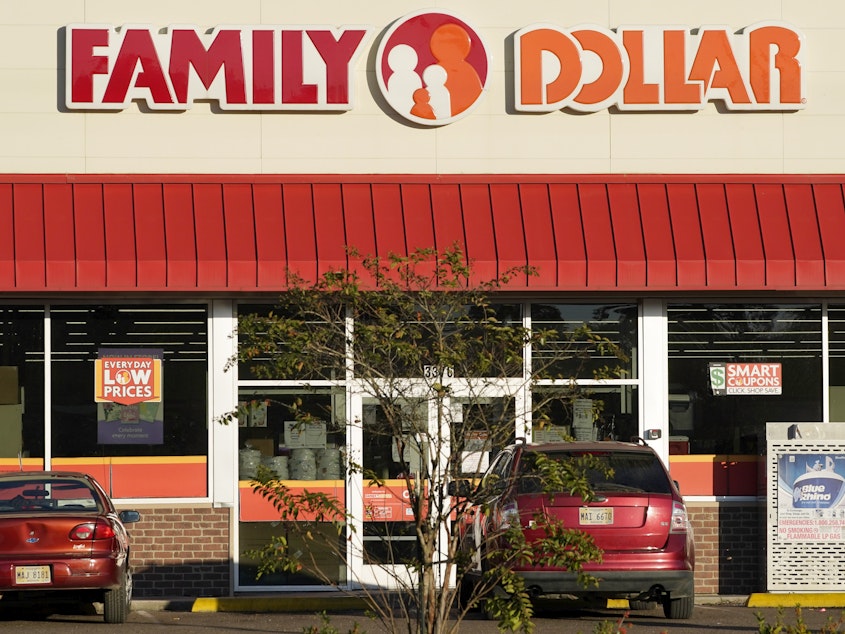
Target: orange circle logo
x=432, y=67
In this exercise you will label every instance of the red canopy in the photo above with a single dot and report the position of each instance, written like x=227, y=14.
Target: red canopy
x=583, y=233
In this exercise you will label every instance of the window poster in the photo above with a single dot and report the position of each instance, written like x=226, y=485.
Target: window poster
x=130, y=408
x=811, y=487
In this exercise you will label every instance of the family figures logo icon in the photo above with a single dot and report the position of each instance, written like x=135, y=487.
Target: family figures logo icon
x=432, y=67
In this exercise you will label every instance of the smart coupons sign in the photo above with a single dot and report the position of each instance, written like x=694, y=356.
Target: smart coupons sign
x=746, y=378
x=433, y=68
x=127, y=380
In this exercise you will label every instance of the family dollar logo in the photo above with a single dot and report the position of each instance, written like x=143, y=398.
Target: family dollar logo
x=432, y=67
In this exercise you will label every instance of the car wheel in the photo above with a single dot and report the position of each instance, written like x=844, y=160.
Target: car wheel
x=486, y=612
x=116, y=601
x=465, y=591
x=678, y=608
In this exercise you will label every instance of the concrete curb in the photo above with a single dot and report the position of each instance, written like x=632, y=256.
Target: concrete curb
x=795, y=599
x=329, y=602
x=337, y=602
x=296, y=603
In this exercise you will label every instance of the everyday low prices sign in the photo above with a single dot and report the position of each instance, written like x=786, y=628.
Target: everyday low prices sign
x=746, y=378
x=127, y=380
x=127, y=390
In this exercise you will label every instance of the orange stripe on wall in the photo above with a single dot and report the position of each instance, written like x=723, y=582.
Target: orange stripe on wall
x=144, y=476
x=256, y=508
x=23, y=464
x=719, y=475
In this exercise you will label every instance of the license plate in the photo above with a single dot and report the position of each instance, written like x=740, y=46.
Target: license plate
x=32, y=574
x=595, y=516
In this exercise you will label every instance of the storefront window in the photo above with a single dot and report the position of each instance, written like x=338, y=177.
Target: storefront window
x=733, y=368
x=261, y=331
x=583, y=357
x=488, y=425
x=477, y=340
x=320, y=546
x=297, y=434
x=836, y=346
x=21, y=383
x=120, y=437
x=594, y=413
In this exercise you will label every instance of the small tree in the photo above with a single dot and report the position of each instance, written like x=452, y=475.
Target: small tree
x=421, y=331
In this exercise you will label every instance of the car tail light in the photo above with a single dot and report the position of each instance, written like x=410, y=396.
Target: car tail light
x=92, y=530
x=680, y=520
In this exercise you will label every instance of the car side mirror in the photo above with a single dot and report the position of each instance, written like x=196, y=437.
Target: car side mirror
x=129, y=517
x=460, y=488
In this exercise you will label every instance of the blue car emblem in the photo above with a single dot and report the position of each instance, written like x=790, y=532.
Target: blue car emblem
x=31, y=540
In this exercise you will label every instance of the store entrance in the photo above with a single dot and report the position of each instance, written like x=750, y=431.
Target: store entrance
x=398, y=465
x=347, y=446
x=391, y=465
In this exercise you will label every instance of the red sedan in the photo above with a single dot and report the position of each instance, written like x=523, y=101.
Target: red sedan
x=61, y=538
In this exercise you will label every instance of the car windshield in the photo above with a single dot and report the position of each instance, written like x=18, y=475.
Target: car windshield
x=636, y=472
x=59, y=495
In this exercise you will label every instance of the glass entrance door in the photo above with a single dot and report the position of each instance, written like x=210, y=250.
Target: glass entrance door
x=397, y=460
x=392, y=467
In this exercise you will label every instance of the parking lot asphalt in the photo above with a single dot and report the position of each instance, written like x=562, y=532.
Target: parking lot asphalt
x=292, y=613
x=338, y=601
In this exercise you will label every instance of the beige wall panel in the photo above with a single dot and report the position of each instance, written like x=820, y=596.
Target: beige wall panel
x=815, y=138
x=549, y=137
x=815, y=14
x=696, y=165
x=825, y=52
x=825, y=94
x=53, y=12
x=727, y=12
x=172, y=136
x=212, y=164
x=43, y=165
x=686, y=139
x=29, y=91
x=377, y=15
x=164, y=12
x=528, y=165
x=45, y=136
x=515, y=15
x=814, y=166
x=346, y=165
x=289, y=140
x=28, y=46
x=371, y=138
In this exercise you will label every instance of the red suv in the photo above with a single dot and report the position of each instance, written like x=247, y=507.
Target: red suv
x=637, y=518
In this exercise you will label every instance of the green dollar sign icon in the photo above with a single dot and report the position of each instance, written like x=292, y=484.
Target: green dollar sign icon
x=717, y=376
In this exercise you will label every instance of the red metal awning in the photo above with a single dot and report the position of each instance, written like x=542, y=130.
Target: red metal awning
x=203, y=233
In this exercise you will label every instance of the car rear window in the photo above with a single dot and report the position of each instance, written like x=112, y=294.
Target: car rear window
x=636, y=472
x=46, y=495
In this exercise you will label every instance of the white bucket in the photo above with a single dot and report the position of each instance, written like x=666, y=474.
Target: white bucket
x=303, y=464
